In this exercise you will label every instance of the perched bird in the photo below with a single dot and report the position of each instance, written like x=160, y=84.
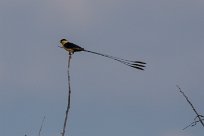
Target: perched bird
x=71, y=48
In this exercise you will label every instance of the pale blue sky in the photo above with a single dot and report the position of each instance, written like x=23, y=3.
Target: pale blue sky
x=107, y=98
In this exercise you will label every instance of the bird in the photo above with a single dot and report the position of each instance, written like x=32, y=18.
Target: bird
x=72, y=48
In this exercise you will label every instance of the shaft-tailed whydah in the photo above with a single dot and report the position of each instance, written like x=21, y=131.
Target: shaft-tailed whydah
x=72, y=48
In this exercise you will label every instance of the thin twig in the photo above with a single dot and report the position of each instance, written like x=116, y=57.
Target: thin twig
x=69, y=97
x=197, y=115
x=39, y=133
x=192, y=124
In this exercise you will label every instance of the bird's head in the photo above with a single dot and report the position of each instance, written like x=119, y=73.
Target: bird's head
x=63, y=42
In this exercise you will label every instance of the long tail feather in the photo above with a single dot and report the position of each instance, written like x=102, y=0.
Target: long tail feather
x=139, y=62
x=135, y=64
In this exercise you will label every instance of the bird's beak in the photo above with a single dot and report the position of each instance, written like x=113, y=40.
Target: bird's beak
x=60, y=46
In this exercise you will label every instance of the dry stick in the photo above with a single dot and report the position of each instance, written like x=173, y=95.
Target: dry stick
x=69, y=96
x=192, y=124
x=198, y=115
x=39, y=133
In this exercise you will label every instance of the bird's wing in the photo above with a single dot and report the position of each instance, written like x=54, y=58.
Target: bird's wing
x=72, y=46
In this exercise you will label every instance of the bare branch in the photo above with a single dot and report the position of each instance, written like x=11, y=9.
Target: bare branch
x=198, y=116
x=69, y=98
x=39, y=133
x=193, y=123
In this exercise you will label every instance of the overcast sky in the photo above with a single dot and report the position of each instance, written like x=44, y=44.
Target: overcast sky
x=108, y=98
